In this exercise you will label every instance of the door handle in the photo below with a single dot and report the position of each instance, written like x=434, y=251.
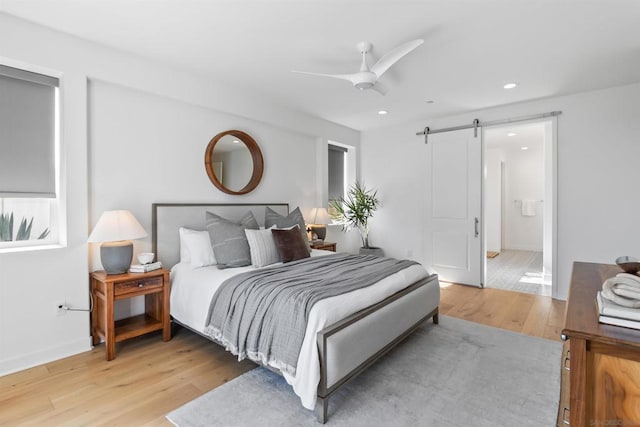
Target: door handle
x=477, y=221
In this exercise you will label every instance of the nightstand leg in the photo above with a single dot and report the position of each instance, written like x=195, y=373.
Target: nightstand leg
x=109, y=325
x=166, y=333
x=166, y=317
x=110, y=349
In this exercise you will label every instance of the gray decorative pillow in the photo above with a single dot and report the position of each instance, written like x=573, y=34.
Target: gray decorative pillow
x=229, y=241
x=272, y=218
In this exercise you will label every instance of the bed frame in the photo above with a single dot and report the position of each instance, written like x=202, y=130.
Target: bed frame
x=384, y=324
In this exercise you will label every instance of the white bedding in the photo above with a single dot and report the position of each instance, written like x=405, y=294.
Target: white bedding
x=193, y=288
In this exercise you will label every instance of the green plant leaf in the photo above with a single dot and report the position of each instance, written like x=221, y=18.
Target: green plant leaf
x=355, y=210
x=24, y=231
x=6, y=227
x=44, y=234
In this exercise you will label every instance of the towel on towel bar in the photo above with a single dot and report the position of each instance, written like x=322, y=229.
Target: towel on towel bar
x=528, y=208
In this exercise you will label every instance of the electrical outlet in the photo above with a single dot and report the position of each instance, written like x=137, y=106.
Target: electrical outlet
x=60, y=311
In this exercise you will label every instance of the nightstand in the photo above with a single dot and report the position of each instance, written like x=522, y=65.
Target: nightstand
x=106, y=289
x=327, y=246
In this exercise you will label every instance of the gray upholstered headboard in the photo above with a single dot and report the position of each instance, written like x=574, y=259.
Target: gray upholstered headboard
x=167, y=218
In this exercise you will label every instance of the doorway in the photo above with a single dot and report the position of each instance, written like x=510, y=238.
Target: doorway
x=518, y=196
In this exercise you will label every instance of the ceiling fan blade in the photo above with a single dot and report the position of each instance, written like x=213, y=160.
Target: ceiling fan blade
x=380, y=88
x=348, y=77
x=394, y=56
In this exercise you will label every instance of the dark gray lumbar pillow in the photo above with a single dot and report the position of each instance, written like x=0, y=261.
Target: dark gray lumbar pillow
x=272, y=218
x=229, y=242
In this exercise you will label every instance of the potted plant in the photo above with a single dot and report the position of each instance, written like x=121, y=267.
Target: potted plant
x=355, y=212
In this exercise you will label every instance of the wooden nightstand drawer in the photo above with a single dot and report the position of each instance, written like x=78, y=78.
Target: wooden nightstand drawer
x=137, y=285
x=326, y=246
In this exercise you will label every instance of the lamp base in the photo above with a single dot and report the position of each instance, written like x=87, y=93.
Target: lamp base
x=319, y=230
x=116, y=256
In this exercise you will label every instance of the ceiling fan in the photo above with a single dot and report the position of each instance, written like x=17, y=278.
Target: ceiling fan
x=367, y=77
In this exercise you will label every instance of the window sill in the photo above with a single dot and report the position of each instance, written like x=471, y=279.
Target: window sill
x=30, y=248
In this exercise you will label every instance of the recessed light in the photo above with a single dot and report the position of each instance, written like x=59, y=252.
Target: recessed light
x=382, y=112
x=524, y=148
x=235, y=141
x=511, y=134
x=510, y=85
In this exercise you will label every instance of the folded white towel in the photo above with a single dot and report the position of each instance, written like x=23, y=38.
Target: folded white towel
x=621, y=293
x=626, y=291
x=626, y=285
x=528, y=208
x=631, y=279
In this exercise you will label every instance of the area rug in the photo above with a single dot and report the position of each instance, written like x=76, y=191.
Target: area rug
x=456, y=373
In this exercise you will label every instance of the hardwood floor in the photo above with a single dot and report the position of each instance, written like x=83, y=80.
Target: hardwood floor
x=149, y=378
x=529, y=314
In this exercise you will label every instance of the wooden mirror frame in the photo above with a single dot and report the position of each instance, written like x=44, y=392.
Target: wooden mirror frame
x=256, y=156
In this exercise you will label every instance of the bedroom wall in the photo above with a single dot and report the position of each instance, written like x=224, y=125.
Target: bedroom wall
x=146, y=148
x=597, y=156
x=493, y=198
x=112, y=160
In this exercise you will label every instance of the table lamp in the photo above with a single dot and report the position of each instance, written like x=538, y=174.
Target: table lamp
x=115, y=230
x=320, y=220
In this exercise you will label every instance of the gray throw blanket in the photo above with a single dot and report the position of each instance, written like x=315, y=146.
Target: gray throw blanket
x=263, y=314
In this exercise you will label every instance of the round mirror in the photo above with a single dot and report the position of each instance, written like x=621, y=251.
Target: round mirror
x=234, y=162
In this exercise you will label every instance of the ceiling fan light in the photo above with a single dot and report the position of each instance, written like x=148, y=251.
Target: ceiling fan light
x=363, y=85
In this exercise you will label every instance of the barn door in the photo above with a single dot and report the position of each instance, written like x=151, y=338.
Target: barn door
x=454, y=206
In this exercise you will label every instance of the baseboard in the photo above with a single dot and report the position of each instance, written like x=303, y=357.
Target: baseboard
x=26, y=361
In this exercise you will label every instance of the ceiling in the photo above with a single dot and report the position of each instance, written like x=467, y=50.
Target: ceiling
x=471, y=49
x=515, y=136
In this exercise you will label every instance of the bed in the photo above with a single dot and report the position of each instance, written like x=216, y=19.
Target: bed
x=344, y=333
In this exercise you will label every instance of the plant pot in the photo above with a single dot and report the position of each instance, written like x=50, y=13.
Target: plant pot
x=371, y=250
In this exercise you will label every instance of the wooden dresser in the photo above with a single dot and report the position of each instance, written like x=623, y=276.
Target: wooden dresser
x=602, y=363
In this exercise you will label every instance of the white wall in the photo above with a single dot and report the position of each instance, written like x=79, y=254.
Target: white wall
x=550, y=168
x=32, y=281
x=146, y=148
x=148, y=126
x=493, y=198
x=598, y=154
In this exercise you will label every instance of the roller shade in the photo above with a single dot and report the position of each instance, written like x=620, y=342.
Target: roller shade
x=336, y=172
x=27, y=133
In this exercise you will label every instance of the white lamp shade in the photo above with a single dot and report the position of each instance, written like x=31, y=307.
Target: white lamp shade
x=321, y=216
x=115, y=226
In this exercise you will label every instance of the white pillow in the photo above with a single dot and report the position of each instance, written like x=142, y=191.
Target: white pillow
x=262, y=247
x=195, y=248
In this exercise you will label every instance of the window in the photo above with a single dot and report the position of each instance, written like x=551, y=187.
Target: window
x=337, y=175
x=29, y=129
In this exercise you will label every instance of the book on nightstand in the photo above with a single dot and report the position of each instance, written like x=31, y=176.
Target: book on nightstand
x=145, y=268
x=614, y=314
